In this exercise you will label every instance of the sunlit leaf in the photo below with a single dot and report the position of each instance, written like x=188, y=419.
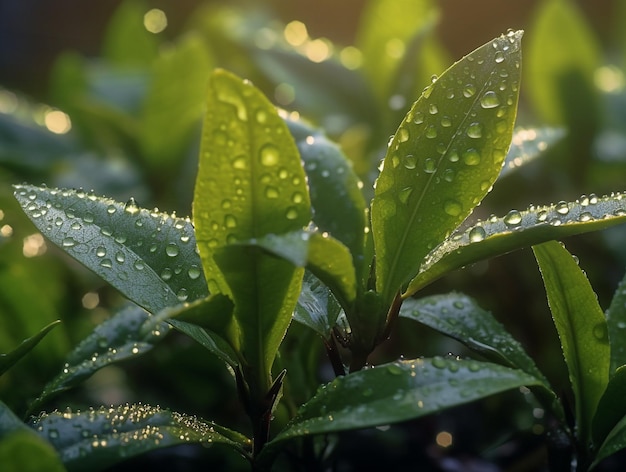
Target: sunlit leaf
x=96, y=439
x=317, y=308
x=148, y=256
x=9, y=359
x=396, y=392
x=581, y=326
x=444, y=158
x=527, y=145
x=518, y=229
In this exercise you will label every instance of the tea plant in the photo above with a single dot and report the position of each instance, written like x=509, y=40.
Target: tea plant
x=281, y=230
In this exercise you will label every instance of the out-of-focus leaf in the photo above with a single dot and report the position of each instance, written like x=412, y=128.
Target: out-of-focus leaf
x=100, y=438
x=317, y=308
x=527, y=145
x=148, y=256
x=11, y=358
x=114, y=340
x=582, y=329
x=126, y=41
x=519, y=229
x=444, y=158
x=611, y=408
x=396, y=392
x=615, y=441
x=174, y=103
x=616, y=324
x=560, y=46
x=24, y=451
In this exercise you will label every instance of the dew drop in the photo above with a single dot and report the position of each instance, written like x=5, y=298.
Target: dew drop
x=194, y=272
x=448, y=175
x=182, y=294
x=585, y=216
x=166, y=274
x=431, y=132
x=240, y=163
x=430, y=165
x=271, y=192
x=433, y=109
x=489, y=100
x=120, y=257
x=439, y=362
x=476, y=234
x=171, y=250
x=291, y=213
x=475, y=130
x=101, y=251
x=403, y=135
x=499, y=57
x=111, y=209
x=269, y=155
x=471, y=157
x=469, y=90
x=453, y=156
x=229, y=222
x=106, y=263
x=68, y=242
x=452, y=207
x=446, y=122
x=418, y=119
x=297, y=197
x=139, y=265
x=513, y=218
x=562, y=208
x=409, y=161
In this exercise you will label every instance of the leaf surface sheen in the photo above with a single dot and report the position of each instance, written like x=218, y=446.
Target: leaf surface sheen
x=444, y=158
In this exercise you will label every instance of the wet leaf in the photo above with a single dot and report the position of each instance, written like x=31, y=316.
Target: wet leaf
x=444, y=158
x=317, y=307
x=518, y=229
x=528, y=144
x=616, y=323
x=611, y=407
x=396, y=392
x=96, y=439
x=116, y=339
x=148, y=256
x=10, y=359
x=581, y=326
x=250, y=184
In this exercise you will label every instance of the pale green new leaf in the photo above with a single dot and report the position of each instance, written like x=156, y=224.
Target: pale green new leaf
x=148, y=256
x=518, y=229
x=396, y=392
x=582, y=329
x=444, y=158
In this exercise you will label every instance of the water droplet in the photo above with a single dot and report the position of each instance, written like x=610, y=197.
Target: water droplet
x=240, y=163
x=182, y=294
x=101, y=251
x=469, y=90
x=513, y=218
x=404, y=194
x=431, y=132
x=139, y=265
x=418, y=119
x=593, y=199
x=562, y=208
x=69, y=242
x=403, y=135
x=291, y=213
x=475, y=130
x=600, y=332
x=269, y=155
x=471, y=157
x=433, y=109
x=489, y=100
x=439, y=362
x=297, y=197
x=476, y=234
x=111, y=209
x=446, y=122
x=452, y=207
x=106, y=263
x=166, y=274
x=271, y=192
x=131, y=206
x=230, y=221
x=194, y=272
x=261, y=116
x=409, y=161
x=499, y=57
x=453, y=156
x=448, y=175
x=585, y=216
x=430, y=165
x=120, y=257
x=171, y=249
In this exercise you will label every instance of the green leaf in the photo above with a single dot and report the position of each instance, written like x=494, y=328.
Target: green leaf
x=616, y=322
x=317, y=308
x=561, y=45
x=24, y=451
x=444, y=158
x=9, y=422
x=250, y=184
x=396, y=392
x=582, y=329
x=173, y=105
x=518, y=229
x=9, y=360
x=126, y=41
x=527, y=145
x=116, y=339
x=336, y=198
x=148, y=256
x=385, y=30
x=459, y=316
x=611, y=407
x=100, y=438
x=615, y=441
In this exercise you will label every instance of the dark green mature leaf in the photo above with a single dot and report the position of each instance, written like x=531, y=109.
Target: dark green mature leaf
x=317, y=308
x=395, y=392
x=527, y=145
x=99, y=438
x=615, y=441
x=250, y=184
x=148, y=256
x=458, y=316
x=518, y=229
x=616, y=324
x=581, y=326
x=11, y=358
x=9, y=422
x=336, y=198
x=444, y=158
x=611, y=407
x=116, y=339
x=560, y=44
x=24, y=451
x=174, y=103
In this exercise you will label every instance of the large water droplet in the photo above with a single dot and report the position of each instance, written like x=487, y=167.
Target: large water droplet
x=471, y=157
x=68, y=242
x=513, y=218
x=403, y=135
x=101, y=251
x=469, y=90
x=446, y=122
x=489, y=100
x=433, y=109
x=476, y=234
x=194, y=272
x=131, y=206
x=452, y=207
x=430, y=165
x=269, y=155
x=431, y=132
x=106, y=263
x=271, y=192
x=182, y=294
x=291, y=213
x=409, y=161
x=111, y=209
x=562, y=208
x=475, y=130
x=120, y=257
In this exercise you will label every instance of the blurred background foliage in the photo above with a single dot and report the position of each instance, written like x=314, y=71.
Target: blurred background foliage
x=110, y=97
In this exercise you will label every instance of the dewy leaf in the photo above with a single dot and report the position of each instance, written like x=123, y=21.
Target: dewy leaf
x=317, y=308
x=444, y=158
x=518, y=229
x=528, y=144
x=10, y=359
x=148, y=256
x=336, y=198
x=97, y=439
x=582, y=329
x=116, y=339
x=396, y=392
x=250, y=184
x=616, y=323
